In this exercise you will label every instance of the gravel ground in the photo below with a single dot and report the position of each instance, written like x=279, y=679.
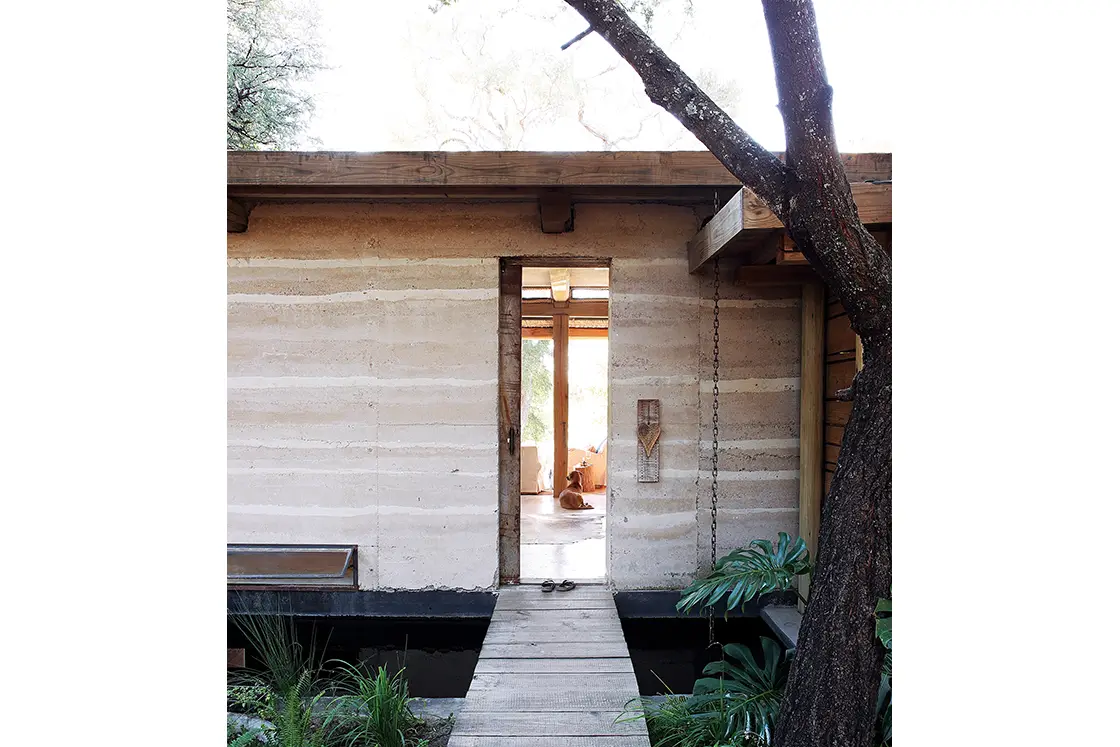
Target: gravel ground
x=438, y=731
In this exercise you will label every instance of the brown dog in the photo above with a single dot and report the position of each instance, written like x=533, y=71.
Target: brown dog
x=571, y=497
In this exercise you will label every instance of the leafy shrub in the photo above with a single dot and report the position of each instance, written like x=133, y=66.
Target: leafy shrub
x=273, y=639
x=749, y=691
x=736, y=705
x=883, y=631
x=680, y=722
x=247, y=698
x=237, y=738
x=745, y=573
x=292, y=717
x=372, y=710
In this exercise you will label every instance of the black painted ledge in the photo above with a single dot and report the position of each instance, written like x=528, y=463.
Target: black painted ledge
x=653, y=604
x=785, y=622
x=457, y=604
x=333, y=603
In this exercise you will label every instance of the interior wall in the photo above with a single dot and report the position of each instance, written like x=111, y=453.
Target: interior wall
x=363, y=388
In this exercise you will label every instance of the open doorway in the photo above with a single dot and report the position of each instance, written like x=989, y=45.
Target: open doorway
x=564, y=327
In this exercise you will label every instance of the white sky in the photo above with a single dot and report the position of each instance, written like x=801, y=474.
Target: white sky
x=382, y=53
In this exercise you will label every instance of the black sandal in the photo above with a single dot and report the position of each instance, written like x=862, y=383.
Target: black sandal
x=548, y=585
x=566, y=585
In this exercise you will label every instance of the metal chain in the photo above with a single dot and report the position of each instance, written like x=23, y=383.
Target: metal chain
x=715, y=435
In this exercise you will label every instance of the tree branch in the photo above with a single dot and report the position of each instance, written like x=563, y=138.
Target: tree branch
x=668, y=86
x=576, y=38
x=831, y=693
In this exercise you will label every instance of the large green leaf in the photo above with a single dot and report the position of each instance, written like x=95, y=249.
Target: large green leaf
x=745, y=573
x=883, y=631
x=747, y=691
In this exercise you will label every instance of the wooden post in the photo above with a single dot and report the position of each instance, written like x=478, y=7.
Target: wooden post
x=559, y=403
x=813, y=311
x=509, y=417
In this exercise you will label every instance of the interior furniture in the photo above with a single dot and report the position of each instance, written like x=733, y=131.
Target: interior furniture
x=597, y=459
x=533, y=478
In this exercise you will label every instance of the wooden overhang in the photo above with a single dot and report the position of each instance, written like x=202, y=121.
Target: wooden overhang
x=745, y=230
x=554, y=180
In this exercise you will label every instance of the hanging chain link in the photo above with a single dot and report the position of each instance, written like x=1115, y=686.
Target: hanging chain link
x=715, y=436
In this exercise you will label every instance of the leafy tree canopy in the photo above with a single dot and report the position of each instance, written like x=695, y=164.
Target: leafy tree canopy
x=271, y=47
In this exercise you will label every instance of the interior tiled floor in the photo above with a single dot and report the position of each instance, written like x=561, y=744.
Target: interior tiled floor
x=557, y=543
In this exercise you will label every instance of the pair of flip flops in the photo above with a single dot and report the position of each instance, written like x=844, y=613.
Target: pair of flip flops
x=551, y=585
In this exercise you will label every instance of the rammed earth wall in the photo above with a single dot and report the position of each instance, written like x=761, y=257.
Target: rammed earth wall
x=363, y=388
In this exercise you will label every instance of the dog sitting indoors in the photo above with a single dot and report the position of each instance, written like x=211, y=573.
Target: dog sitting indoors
x=571, y=497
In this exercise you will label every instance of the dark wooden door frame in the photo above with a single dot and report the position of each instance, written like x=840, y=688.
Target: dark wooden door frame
x=509, y=405
x=509, y=423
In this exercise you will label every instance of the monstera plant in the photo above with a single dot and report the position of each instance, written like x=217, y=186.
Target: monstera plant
x=883, y=629
x=747, y=572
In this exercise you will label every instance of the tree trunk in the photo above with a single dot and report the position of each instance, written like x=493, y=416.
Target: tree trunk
x=830, y=697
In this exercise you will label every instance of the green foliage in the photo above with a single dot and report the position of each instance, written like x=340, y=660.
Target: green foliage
x=883, y=631
x=247, y=698
x=372, y=710
x=736, y=705
x=286, y=661
x=292, y=716
x=743, y=574
x=678, y=722
x=536, y=375
x=271, y=47
x=749, y=692
x=237, y=738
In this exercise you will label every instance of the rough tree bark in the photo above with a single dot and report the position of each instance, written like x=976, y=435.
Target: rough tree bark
x=830, y=697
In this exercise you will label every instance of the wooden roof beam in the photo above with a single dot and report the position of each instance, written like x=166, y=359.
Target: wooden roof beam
x=580, y=308
x=746, y=227
x=237, y=216
x=775, y=275
x=545, y=333
x=300, y=170
x=557, y=215
x=560, y=282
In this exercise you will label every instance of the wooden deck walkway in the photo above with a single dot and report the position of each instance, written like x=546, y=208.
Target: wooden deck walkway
x=554, y=670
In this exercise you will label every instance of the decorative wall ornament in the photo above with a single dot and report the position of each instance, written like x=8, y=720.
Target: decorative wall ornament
x=649, y=435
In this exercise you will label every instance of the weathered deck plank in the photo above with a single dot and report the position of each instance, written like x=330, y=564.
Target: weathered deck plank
x=590, y=724
x=553, y=603
x=565, y=623
x=553, y=684
x=554, y=670
x=551, y=635
x=568, y=741
x=574, y=702
x=554, y=650
x=571, y=666
x=549, y=615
